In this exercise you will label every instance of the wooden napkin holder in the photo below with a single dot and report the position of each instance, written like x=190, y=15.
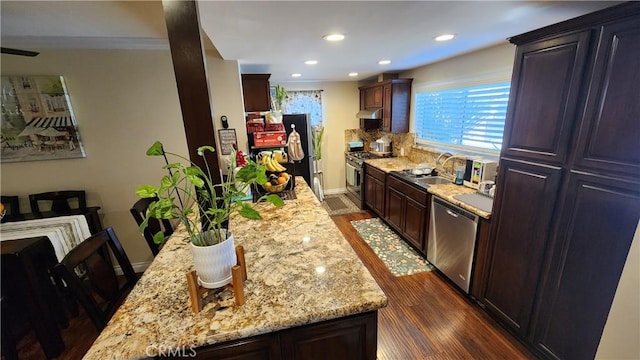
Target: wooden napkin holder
x=238, y=275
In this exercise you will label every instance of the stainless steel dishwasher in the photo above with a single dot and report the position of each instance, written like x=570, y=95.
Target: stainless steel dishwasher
x=451, y=242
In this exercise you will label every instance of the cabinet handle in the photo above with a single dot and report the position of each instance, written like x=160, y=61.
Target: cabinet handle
x=452, y=213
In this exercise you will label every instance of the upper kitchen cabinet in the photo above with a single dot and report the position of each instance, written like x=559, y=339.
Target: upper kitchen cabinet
x=394, y=98
x=568, y=192
x=256, y=92
x=543, y=104
x=609, y=137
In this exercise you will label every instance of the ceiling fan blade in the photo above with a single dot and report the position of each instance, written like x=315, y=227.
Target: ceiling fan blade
x=11, y=51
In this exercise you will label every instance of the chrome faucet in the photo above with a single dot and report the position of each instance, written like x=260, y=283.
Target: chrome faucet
x=440, y=166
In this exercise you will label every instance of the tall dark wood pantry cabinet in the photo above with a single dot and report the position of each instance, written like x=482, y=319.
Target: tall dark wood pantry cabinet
x=568, y=195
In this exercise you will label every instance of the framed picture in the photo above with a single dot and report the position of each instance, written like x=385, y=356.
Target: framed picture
x=228, y=141
x=37, y=120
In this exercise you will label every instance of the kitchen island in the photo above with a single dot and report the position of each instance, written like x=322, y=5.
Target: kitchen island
x=307, y=290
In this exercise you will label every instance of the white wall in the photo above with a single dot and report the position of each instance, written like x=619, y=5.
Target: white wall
x=621, y=336
x=123, y=101
x=340, y=102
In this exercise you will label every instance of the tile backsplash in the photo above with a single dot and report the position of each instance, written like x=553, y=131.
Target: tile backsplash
x=405, y=142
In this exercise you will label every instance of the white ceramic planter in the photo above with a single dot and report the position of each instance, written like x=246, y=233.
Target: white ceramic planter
x=213, y=263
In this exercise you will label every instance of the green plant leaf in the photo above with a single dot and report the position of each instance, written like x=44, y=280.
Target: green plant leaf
x=158, y=237
x=156, y=149
x=202, y=149
x=147, y=191
x=274, y=199
x=247, y=211
x=172, y=166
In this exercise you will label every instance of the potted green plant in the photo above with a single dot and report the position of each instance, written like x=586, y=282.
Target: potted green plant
x=187, y=193
x=280, y=95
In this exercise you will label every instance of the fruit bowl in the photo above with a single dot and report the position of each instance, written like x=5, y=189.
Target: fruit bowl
x=277, y=182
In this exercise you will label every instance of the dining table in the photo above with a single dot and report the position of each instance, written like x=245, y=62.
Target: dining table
x=30, y=250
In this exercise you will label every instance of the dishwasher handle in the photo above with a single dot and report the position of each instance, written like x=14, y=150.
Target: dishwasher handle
x=452, y=213
x=454, y=210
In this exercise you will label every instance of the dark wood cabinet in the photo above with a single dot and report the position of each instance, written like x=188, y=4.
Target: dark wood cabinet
x=349, y=338
x=256, y=92
x=522, y=216
x=394, y=97
x=568, y=196
x=374, y=189
x=609, y=139
x=407, y=211
x=544, y=97
x=597, y=225
x=373, y=97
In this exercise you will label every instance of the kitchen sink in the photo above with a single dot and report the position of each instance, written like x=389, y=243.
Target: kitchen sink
x=423, y=181
x=432, y=180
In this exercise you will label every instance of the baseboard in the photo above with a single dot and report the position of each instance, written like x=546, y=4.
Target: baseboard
x=335, y=191
x=137, y=267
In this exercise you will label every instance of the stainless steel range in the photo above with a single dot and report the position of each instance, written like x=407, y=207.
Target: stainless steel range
x=353, y=170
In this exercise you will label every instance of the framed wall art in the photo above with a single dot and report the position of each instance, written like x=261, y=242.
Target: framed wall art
x=37, y=120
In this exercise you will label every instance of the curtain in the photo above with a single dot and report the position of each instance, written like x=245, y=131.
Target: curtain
x=305, y=102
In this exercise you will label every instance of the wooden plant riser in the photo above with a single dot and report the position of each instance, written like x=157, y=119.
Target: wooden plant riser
x=238, y=275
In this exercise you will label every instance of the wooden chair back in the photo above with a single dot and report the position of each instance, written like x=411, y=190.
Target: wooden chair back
x=91, y=278
x=60, y=200
x=139, y=211
x=11, y=205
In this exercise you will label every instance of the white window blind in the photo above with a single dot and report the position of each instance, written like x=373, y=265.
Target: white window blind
x=470, y=116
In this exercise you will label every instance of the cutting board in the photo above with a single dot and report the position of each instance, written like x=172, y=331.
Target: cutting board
x=479, y=201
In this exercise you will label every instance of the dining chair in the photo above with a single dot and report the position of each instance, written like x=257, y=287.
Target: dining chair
x=60, y=200
x=11, y=205
x=8, y=343
x=139, y=211
x=91, y=278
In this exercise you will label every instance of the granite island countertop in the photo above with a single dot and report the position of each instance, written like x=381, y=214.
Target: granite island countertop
x=301, y=270
x=444, y=191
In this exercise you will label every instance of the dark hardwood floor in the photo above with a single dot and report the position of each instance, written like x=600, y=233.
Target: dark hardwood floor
x=426, y=318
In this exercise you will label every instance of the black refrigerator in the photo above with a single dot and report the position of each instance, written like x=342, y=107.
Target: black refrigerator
x=303, y=167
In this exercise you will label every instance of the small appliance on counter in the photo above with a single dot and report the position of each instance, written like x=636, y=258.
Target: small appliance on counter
x=355, y=146
x=382, y=146
x=479, y=170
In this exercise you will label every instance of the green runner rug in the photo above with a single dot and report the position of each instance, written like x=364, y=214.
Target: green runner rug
x=399, y=257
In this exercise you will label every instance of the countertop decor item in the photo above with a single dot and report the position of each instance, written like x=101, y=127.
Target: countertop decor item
x=188, y=194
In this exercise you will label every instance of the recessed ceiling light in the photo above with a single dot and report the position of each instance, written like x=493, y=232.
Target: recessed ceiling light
x=311, y=62
x=296, y=75
x=384, y=62
x=444, y=37
x=353, y=74
x=334, y=37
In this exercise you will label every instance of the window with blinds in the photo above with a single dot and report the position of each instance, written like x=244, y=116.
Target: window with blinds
x=471, y=116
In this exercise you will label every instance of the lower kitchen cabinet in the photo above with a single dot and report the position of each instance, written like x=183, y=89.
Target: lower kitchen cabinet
x=407, y=212
x=351, y=338
x=596, y=226
x=522, y=218
x=374, y=189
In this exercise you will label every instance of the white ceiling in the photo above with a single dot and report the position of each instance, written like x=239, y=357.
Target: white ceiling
x=276, y=37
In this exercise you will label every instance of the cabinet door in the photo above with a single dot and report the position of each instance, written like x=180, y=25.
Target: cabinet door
x=256, y=92
x=379, y=197
x=387, y=107
x=395, y=208
x=344, y=339
x=373, y=97
x=415, y=215
x=523, y=213
x=265, y=347
x=596, y=228
x=543, y=104
x=369, y=191
x=609, y=139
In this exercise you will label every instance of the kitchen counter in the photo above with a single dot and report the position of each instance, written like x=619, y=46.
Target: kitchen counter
x=301, y=270
x=444, y=191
